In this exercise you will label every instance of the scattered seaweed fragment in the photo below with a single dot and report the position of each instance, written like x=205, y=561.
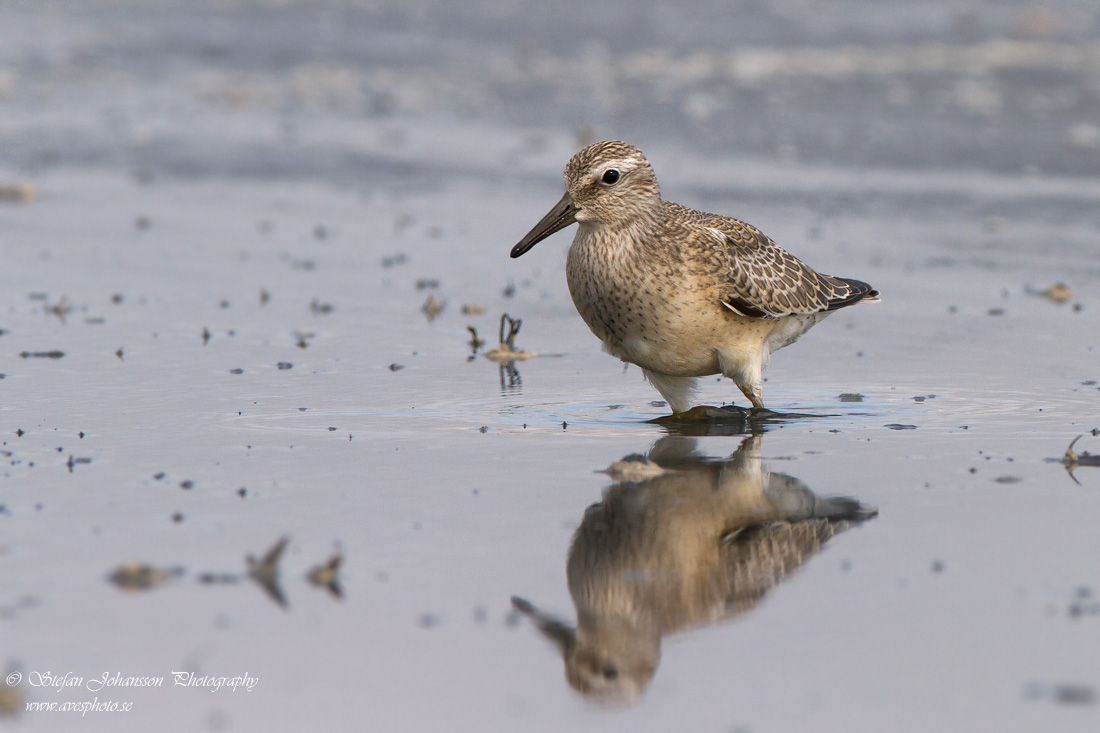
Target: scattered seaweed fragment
x=60, y=309
x=17, y=191
x=506, y=352
x=11, y=696
x=73, y=462
x=1057, y=293
x=476, y=342
x=1072, y=460
x=319, y=308
x=634, y=468
x=138, y=576
x=326, y=575
x=433, y=307
x=265, y=571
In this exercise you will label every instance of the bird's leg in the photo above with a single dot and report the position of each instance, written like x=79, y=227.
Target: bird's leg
x=745, y=373
x=754, y=394
x=677, y=391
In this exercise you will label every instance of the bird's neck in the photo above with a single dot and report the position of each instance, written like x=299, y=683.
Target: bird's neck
x=623, y=237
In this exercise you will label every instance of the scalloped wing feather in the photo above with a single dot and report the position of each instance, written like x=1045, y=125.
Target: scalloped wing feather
x=762, y=280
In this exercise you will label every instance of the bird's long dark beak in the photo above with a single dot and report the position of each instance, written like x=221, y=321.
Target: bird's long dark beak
x=562, y=215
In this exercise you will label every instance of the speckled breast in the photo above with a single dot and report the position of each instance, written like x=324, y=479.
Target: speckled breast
x=642, y=311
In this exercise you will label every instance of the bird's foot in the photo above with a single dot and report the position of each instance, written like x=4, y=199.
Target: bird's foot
x=706, y=413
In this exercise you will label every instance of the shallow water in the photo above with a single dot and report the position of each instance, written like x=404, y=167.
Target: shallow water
x=189, y=184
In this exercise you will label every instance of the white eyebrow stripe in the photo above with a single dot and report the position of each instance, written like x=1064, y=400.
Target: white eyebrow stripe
x=617, y=163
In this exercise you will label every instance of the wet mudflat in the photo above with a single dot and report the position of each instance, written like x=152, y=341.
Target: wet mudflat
x=240, y=266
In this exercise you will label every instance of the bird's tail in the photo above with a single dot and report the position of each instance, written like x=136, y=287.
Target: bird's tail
x=858, y=292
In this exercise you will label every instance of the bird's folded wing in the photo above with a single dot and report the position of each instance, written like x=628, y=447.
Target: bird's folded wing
x=759, y=279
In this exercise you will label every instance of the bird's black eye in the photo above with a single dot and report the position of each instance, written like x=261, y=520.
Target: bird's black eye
x=610, y=176
x=610, y=672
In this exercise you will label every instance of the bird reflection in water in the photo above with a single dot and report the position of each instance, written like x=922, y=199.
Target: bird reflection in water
x=680, y=541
